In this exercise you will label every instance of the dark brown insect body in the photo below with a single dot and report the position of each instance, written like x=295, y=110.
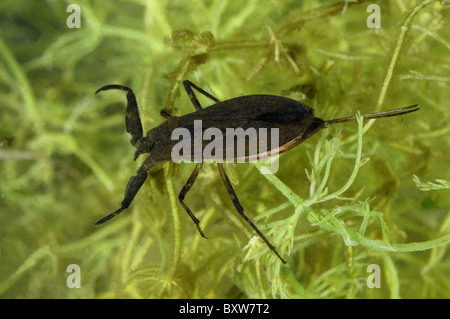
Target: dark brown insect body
x=294, y=122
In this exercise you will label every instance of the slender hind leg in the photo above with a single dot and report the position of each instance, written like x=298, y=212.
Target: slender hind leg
x=240, y=210
x=183, y=193
x=188, y=85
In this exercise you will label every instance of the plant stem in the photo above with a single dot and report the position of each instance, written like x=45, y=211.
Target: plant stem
x=176, y=222
x=395, y=57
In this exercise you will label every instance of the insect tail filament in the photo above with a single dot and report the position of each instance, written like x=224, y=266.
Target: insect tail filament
x=404, y=110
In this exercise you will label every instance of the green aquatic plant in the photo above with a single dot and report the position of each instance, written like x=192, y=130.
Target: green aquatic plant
x=340, y=202
x=428, y=186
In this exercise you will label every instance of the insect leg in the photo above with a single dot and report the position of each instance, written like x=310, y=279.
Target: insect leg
x=240, y=209
x=183, y=193
x=164, y=114
x=133, y=186
x=132, y=119
x=188, y=85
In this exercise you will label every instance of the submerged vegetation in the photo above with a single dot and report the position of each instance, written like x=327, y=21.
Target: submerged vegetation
x=353, y=196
